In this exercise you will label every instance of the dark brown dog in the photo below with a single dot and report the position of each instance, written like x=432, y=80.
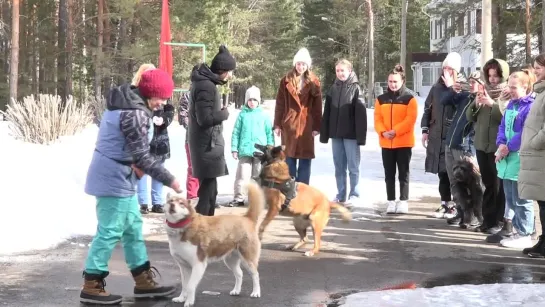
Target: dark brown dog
x=470, y=193
x=307, y=205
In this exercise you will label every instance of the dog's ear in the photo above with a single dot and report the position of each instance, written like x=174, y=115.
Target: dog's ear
x=193, y=202
x=283, y=147
x=169, y=195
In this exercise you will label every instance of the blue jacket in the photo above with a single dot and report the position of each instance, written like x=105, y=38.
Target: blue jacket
x=123, y=140
x=252, y=126
x=460, y=129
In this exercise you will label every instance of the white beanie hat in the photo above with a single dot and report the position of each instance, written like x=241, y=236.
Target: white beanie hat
x=302, y=56
x=252, y=93
x=454, y=61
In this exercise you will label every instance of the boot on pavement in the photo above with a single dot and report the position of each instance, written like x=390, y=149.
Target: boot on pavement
x=94, y=291
x=504, y=233
x=538, y=250
x=145, y=285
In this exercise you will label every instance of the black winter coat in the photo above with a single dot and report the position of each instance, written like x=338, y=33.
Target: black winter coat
x=436, y=122
x=345, y=115
x=206, y=116
x=160, y=144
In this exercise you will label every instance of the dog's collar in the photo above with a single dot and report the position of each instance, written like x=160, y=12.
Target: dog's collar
x=179, y=224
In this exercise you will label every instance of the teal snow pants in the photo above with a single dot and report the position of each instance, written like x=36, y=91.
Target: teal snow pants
x=119, y=219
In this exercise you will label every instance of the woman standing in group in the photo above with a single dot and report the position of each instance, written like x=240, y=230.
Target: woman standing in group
x=532, y=155
x=486, y=114
x=345, y=122
x=298, y=115
x=395, y=117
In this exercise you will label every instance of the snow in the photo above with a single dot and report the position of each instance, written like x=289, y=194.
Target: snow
x=44, y=202
x=453, y=296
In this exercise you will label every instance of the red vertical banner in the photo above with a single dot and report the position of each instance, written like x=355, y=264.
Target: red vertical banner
x=165, y=51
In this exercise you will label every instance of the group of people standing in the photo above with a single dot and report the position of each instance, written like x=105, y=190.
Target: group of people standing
x=498, y=118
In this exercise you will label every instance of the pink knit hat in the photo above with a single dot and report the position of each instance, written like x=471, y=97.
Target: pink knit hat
x=156, y=83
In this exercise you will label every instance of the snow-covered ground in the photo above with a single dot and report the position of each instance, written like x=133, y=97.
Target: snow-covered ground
x=465, y=295
x=42, y=186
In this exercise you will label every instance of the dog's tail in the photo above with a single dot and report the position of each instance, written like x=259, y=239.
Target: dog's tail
x=256, y=201
x=346, y=215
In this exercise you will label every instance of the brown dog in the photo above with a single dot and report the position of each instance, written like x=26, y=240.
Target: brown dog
x=308, y=206
x=196, y=240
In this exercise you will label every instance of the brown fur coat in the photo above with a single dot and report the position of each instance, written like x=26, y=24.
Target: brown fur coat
x=297, y=115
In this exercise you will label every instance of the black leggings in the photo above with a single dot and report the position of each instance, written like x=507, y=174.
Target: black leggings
x=208, y=191
x=444, y=186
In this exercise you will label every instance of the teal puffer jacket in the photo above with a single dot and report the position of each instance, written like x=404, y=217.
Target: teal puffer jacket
x=252, y=126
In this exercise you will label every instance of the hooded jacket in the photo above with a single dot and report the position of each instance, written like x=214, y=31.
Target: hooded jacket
x=487, y=119
x=396, y=111
x=124, y=136
x=206, y=116
x=460, y=127
x=345, y=115
x=253, y=126
x=510, y=134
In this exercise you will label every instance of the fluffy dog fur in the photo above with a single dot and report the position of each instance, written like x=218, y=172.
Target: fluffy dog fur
x=309, y=208
x=196, y=240
x=470, y=192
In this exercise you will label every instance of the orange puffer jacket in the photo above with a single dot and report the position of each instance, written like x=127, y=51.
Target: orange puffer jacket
x=396, y=111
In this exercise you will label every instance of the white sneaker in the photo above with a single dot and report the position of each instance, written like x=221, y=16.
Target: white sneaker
x=517, y=241
x=391, y=209
x=402, y=207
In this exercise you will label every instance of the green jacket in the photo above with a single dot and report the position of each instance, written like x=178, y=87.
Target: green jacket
x=487, y=119
x=252, y=126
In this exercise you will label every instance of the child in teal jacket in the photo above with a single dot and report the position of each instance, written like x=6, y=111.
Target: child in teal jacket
x=253, y=126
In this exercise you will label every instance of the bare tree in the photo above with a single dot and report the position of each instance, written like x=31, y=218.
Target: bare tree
x=14, y=61
x=99, y=54
x=528, y=33
x=371, y=64
x=543, y=26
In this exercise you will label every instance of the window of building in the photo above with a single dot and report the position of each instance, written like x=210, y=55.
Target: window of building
x=460, y=25
x=469, y=25
x=435, y=29
x=478, y=21
x=427, y=76
x=441, y=28
x=453, y=26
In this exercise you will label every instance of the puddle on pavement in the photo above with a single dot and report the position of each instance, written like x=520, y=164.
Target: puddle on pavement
x=492, y=275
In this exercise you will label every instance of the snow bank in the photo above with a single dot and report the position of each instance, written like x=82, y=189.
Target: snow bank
x=453, y=296
x=42, y=186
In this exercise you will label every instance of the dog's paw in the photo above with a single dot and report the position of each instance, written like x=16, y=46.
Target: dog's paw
x=235, y=292
x=179, y=299
x=309, y=253
x=256, y=294
x=189, y=303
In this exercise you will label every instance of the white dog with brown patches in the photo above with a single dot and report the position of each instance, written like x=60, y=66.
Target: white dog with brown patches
x=195, y=240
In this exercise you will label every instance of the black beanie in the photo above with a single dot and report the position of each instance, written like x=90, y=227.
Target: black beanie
x=223, y=61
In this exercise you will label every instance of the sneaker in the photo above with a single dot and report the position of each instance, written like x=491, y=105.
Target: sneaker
x=234, y=203
x=157, y=209
x=391, y=209
x=452, y=212
x=504, y=233
x=402, y=207
x=351, y=202
x=517, y=241
x=474, y=224
x=454, y=216
x=337, y=200
x=439, y=213
x=144, y=209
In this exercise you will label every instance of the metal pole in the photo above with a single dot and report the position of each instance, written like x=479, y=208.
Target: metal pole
x=486, y=32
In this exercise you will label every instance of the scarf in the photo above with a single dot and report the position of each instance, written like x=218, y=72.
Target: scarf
x=496, y=92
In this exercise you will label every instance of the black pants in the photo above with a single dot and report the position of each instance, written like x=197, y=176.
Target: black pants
x=392, y=159
x=493, y=197
x=208, y=191
x=444, y=186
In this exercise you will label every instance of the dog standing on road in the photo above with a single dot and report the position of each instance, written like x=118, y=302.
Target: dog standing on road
x=195, y=240
x=467, y=178
x=308, y=206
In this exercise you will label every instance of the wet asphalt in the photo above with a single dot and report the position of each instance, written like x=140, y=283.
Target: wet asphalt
x=372, y=252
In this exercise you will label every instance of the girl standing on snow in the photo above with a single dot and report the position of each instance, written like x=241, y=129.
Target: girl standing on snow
x=345, y=122
x=508, y=160
x=298, y=115
x=253, y=126
x=395, y=117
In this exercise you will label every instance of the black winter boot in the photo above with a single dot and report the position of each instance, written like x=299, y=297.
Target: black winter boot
x=144, y=209
x=538, y=250
x=93, y=291
x=157, y=209
x=145, y=285
x=505, y=232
